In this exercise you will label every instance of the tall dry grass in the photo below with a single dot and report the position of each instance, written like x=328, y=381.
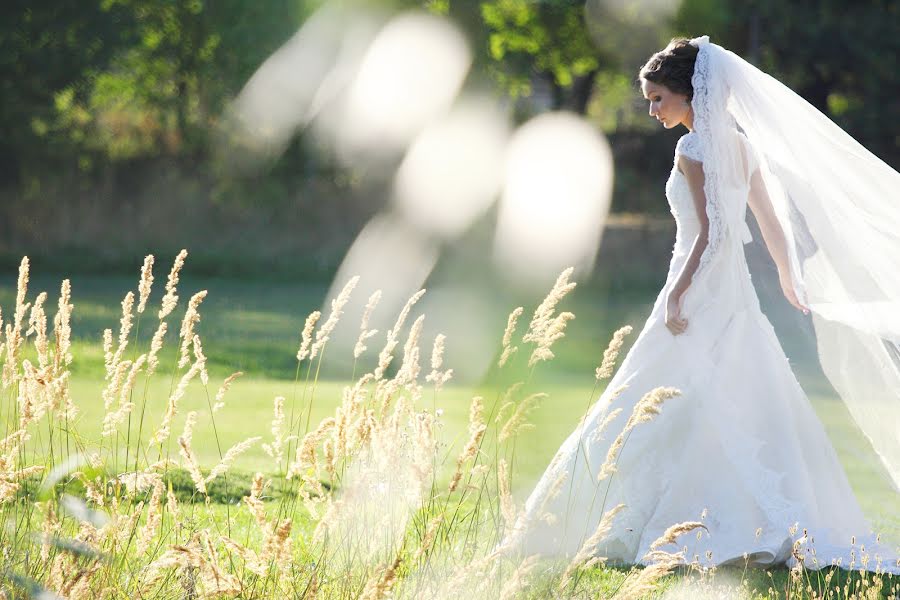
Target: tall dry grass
x=370, y=503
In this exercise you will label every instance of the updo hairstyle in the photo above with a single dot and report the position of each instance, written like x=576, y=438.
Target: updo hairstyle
x=673, y=67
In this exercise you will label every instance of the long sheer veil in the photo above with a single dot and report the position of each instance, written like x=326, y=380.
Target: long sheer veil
x=839, y=207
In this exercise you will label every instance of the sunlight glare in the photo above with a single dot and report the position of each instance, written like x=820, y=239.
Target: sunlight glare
x=294, y=84
x=451, y=173
x=410, y=73
x=556, y=197
x=388, y=255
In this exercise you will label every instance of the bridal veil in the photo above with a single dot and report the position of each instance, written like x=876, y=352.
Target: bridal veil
x=839, y=207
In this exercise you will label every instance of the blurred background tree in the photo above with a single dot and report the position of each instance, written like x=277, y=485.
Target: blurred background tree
x=123, y=79
x=108, y=108
x=843, y=58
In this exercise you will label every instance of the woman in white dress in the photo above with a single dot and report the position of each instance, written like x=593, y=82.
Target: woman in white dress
x=741, y=446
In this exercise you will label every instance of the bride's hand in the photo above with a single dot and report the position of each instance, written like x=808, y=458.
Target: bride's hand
x=674, y=320
x=787, y=287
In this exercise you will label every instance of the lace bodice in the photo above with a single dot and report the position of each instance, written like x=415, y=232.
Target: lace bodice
x=681, y=203
x=678, y=194
x=689, y=145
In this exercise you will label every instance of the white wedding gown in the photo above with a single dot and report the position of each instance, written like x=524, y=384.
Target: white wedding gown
x=741, y=445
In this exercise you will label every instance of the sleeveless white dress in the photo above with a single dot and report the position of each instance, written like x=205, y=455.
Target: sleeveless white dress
x=741, y=446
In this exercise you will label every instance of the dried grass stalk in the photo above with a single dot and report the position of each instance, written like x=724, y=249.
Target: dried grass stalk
x=671, y=535
x=230, y=456
x=306, y=335
x=219, y=403
x=62, y=328
x=605, y=370
x=588, y=549
x=508, y=349
x=364, y=332
x=170, y=299
x=145, y=284
x=337, y=309
x=386, y=355
x=187, y=453
x=507, y=506
x=517, y=422
x=188, y=323
x=646, y=408
x=477, y=428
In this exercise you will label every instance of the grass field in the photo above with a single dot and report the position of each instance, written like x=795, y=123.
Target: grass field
x=248, y=412
x=254, y=327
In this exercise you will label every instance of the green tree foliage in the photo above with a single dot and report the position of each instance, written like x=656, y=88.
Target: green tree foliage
x=544, y=39
x=119, y=79
x=47, y=48
x=843, y=58
x=109, y=81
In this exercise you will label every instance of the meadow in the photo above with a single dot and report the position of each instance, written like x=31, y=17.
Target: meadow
x=260, y=526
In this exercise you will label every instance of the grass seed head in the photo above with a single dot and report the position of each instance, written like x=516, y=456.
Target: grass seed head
x=386, y=355
x=21, y=293
x=275, y=449
x=162, y=434
x=125, y=324
x=220, y=395
x=170, y=299
x=306, y=335
x=588, y=549
x=517, y=421
x=145, y=284
x=543, y=315
x=605, y=370
x=187, y=453
x=364, y=332
x=156, y=345
x=230, y=456
x=188, y=323
x=37, y=326
x=62, y=327
x=337, y=309
x=508, y=348
x=671, y=535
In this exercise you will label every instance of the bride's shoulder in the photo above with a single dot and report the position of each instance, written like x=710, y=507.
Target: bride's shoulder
x=689, y=146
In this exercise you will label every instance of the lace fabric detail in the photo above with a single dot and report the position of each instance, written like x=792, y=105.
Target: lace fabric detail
x=689, y=146
x=700, y=141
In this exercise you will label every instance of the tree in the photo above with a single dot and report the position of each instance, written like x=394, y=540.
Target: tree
x=843, y=60
x=548, y=40
x=186, y=59
x=46, y=48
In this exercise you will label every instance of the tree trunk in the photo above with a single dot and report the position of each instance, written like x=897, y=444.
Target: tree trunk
x=556, y=92
x=582, y=90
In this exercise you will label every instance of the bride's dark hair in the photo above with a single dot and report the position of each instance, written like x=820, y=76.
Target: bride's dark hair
x=673, y=67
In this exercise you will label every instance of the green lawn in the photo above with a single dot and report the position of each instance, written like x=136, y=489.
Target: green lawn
x=254, y=325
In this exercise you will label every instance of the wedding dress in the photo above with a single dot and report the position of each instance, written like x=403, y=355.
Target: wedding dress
x=741, y=447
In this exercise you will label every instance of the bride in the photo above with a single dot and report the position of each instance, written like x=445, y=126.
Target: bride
x=740, y=446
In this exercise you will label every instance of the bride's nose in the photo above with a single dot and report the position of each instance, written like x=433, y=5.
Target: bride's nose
x=653, y=109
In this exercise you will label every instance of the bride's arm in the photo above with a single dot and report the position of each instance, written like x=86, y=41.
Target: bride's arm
x=771, y=230
x=693, y=173
x=773, y=234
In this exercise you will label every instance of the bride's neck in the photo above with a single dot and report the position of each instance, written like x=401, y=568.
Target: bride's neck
x=689, y=120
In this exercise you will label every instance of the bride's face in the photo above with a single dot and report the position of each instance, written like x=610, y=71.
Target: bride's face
x=669, y=108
